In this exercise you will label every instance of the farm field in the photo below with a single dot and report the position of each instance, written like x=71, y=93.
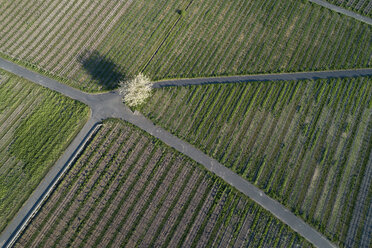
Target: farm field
x=92, y=45
x=245, y=37
x=128, y=189
x=305, y=143
x=363, y=7
x=36, y=125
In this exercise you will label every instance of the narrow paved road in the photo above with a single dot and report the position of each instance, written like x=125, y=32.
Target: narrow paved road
x=266, y=77
x=233, y=179
x=343, y=11
x=109, y=105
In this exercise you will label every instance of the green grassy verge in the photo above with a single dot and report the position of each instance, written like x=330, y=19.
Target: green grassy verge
x=36, y=126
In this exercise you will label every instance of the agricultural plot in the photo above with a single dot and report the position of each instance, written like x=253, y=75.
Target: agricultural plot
x=245, y=37
x=363, y=7
x=305, y=143
x=62, y=37
x=128, y=189
x=36, y=125
x=92, y=45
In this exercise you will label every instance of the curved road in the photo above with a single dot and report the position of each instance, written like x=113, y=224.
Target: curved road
x=109, y=105
x=343, y=11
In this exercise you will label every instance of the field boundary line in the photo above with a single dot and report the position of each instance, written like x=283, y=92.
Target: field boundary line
x=7, y=242
x=343, y=11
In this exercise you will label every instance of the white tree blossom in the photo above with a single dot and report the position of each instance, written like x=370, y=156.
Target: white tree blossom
x=135, y=91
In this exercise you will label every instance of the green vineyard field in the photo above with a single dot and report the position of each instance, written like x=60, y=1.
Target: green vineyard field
x=93, y=45
x=128, y=189
x=36, y=125
x=305, y=143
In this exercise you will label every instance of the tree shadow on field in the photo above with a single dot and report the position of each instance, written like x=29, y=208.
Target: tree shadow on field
x=102, y=70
